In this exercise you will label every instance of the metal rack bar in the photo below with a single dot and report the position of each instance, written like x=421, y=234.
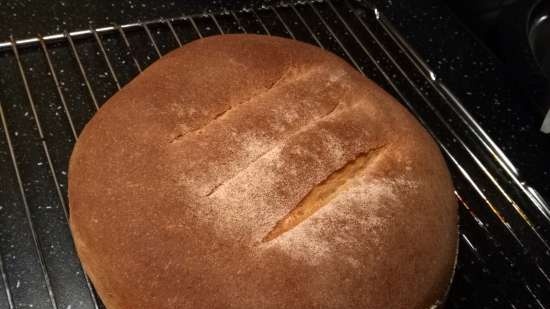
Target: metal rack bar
x=58, y=87
x=157, y=50
x=287, y=28
x=534, y=297
x=195, y=26
x=7, y=289
x=36, y=243
x=213, y=17
x=472, y=247
x=238, y=21
x=479, y=259
x=173, y=31
x=82, y=71
x=331, y=31
x=61, y=36
x=483, y=227
x=302, y=20
x=480, y=222
x=482, y=195
x=283, y=22
x=39, y=127
x=55, y=37
x=104, y=53
x=257, y=17
x=362, y=46
x=501, y=158
x=87, y=32
x=463, y=114
x=476, y=188
x=127, y=43
x=91, y=289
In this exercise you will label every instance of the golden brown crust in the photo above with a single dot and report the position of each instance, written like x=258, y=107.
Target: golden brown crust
x=179, y=177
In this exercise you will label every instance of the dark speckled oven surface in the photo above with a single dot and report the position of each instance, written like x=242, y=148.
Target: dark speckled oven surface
x=49, y=89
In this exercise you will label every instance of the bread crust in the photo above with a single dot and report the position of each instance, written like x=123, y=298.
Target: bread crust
x=177, y=183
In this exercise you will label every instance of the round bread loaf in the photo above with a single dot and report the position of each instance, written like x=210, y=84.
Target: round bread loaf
x=247, y=171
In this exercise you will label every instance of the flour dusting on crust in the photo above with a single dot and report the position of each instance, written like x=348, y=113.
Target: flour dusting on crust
x=355, y=207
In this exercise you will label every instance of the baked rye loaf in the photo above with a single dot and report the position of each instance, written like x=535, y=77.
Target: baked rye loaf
x=246, y=171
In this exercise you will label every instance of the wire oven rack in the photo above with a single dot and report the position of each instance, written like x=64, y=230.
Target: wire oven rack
x=51, y=86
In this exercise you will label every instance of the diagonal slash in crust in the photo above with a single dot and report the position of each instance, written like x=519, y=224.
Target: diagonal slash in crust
x=324, y=192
